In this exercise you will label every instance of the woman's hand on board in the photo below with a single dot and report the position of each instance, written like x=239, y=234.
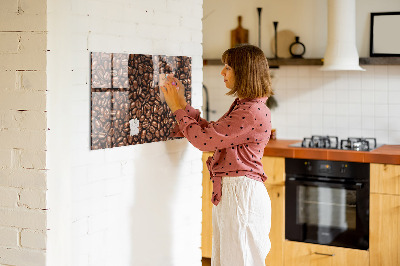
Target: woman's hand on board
x=174, y=93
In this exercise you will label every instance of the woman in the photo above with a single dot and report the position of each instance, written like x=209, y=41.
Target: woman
x=242, y=208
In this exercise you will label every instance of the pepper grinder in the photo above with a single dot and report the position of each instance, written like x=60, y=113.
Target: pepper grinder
x=276, y=38
x=259, y=26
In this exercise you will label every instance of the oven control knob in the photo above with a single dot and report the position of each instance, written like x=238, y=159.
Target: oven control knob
x=343, y=168
x=308, y=166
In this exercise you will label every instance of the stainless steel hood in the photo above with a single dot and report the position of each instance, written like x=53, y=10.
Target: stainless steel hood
x=341, y=51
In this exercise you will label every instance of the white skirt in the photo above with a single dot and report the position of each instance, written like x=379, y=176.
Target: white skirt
x=241, y=223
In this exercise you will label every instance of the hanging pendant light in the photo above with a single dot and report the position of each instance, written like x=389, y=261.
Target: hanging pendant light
x=341, y=51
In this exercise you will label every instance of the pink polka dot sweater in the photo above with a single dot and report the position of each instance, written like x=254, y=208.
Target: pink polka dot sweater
x=238, y=139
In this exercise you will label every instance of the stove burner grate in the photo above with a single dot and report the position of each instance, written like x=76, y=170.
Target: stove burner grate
x=332, y=142
x=358, y=144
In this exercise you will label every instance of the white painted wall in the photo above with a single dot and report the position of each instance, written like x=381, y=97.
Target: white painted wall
x=23, y=133
x=306, y=19
x=311, y=102
x=136, y=205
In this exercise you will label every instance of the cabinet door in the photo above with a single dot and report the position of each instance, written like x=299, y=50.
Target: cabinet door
x=384, y=230
x=274, y=168
x=277, y=233
x=206, y=232
x=304, y=254
x=385, y=178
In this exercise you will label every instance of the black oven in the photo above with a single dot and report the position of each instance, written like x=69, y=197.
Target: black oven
x=327, y=202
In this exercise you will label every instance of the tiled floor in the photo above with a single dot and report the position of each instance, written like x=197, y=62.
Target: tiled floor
x=206, y=261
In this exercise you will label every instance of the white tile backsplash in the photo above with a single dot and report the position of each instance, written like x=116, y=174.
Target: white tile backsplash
x=343, y=103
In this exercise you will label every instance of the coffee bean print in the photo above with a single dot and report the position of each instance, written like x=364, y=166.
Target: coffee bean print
x=124, y=87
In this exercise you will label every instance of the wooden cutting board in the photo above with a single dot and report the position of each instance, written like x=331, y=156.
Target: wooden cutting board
x=239, y=35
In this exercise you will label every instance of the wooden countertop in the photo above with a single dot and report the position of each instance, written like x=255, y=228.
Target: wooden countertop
x=389, y=154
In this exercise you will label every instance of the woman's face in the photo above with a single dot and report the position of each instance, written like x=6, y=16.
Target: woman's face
x=229, y=76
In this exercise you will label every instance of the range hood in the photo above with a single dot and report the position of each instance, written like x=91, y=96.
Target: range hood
x=341, y=51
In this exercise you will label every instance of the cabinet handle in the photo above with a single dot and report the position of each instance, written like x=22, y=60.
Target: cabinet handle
x=324, y=254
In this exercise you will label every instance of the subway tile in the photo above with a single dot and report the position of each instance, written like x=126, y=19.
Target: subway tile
x=304, y=72
x=381, y=110
x=382, y=123
x=328, y=74
x=303, y=82
x=315, y=72
x=342, y=82
x=394, y=137
x=355, y=109
x=380, y=84
x=367, y=82
x=355, y=132
x=394, y=97
x=342, y=122
x=368, y=123
x=342, y=96
x=380, y=71
x=367, y=133
x=291, y=71
x=342, y=109
x=354, y=81
x=367, y=96
x=381, y=97
x=329, y=109
x=382, y=136
x=394, y=110
x=368, y=110
x=355, y=96
x=394, y=71
x=329, y=94
x=394, y=123
x=316, y=83
x=292, y=82
x=355, y=122
x=329, y=123
x=317, y=107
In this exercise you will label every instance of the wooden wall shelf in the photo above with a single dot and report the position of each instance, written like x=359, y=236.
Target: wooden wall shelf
x=274, y=63
x=380, y=61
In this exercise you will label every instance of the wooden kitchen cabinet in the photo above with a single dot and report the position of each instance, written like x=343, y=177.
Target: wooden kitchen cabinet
x=274, y=168
x=385, y=215
x=385, y=178
x=206, y=225
x=277, y=233
x=384, y=236
x=305, y=254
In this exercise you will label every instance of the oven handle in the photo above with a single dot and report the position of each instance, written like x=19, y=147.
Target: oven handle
x=357, y=185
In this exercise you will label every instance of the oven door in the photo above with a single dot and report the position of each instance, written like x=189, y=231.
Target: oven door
x=327, y=213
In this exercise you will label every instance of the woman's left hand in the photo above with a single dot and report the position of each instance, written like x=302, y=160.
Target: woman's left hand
x=170, y=90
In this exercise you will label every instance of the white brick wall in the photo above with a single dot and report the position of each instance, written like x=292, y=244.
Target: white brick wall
x=137, y=205
x=22, y=132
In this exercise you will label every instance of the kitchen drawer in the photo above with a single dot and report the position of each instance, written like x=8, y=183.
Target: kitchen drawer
x=305, y=254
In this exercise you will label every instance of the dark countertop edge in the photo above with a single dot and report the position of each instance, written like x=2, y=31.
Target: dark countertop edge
x=386, y=154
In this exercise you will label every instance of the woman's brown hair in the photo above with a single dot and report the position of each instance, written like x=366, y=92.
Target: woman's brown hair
x=250, y=66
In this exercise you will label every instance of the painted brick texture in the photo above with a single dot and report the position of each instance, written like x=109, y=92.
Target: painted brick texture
x=23, y=132
x=137, y=205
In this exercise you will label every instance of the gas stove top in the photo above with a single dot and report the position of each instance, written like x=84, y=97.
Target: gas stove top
x=332, y=142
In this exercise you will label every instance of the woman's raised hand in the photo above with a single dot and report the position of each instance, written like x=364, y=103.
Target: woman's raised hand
x=174, y=93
